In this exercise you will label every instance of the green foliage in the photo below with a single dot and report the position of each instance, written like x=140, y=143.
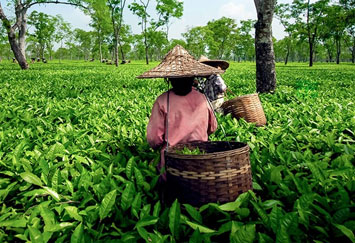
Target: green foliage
x=75, y=165
x=44, y=33
x=187, y=151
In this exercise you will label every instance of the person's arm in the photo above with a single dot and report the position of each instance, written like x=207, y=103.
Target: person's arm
x=212, y=122
x=156, y=127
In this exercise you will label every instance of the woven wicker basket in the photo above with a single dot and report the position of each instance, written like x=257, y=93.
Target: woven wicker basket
x=248, y=107
x=219, y=175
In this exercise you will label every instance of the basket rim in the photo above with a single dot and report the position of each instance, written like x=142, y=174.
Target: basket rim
x=245, y=148
x=243, y=96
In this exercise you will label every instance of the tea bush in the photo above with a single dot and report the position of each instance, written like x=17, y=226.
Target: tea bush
x=75, y=165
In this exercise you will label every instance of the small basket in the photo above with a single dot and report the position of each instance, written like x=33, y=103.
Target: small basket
x=219, y=175
x=248, y=107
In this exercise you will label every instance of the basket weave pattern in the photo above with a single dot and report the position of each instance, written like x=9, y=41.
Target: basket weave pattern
x=248, y=107
x=218, y=176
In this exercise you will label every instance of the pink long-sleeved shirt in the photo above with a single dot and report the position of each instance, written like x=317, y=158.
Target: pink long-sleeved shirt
x=190, y=119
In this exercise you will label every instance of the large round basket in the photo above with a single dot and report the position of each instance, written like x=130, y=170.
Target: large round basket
x=248, y=107
x=219, y=175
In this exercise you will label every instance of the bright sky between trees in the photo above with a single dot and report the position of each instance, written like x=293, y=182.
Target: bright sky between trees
x=196, y=13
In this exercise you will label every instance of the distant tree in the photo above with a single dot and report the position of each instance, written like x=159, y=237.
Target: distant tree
x=244, y=41
x=283, y=13
x=138, y=52
x=44, y=27
x=349, y=7
x=125, y=40
x=62, y=32
x=196, y=40
x=284, y=49
x=5, y=50
x=264, y=49
x=101, y=22
x=116, y=8
x=84, y=42
x=221, y=37
x=308, y=18
x=334, y=26
x=140, y=8
x=168, y=9
x=156, y=41
x=173, y=43
x=17, y=32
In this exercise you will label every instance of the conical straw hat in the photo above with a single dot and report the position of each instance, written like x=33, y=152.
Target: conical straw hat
x=178, y=63
x=214, y=63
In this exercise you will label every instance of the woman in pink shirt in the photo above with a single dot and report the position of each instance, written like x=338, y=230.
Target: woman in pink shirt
x=190, y=117
x=182, y=114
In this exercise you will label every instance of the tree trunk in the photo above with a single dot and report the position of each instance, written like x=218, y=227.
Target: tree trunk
x=330, y=58
x=61, y=49
x=21, y=59
x=353, y=53
x=116, y=53
x=115, y=29
x=21, y=14
x=338, y=46
x=287, y=54
x=116, y=46
x=310, y=53
x=146, y=49
x=100, y=50
x=17, y=46
x=286, y=58
x=50, y=53
x=167, y=30
x=122, y=53
x=264, y=49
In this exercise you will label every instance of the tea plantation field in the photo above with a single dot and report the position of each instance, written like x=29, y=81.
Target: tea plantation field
x=75, y=165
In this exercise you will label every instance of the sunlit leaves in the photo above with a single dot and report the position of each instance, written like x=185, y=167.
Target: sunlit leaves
x=75, y=164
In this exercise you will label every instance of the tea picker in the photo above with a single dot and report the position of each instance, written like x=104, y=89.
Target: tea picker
x=181, y=117
x=213, y=86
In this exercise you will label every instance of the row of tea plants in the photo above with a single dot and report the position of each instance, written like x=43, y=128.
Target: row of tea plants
x=75, y=165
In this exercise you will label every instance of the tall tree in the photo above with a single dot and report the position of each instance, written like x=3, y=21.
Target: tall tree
x=140, y=8
x=156, y=41
x=17, y=32
x=308, y=18
x=264, y=49
x=285, y=49
x=44, y=27
x=124, y=41
x=101, y=22
x=244, y=46
x=221, y=33
x=349, y=7
x=334, y=25
x=195, y=39
x=282, y=12
x=84, y=40
x=168, y=9
x=116, y=9
x=63, y=32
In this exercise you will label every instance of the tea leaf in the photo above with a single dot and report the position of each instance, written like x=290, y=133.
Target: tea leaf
x=107, y=204
x=31, y=178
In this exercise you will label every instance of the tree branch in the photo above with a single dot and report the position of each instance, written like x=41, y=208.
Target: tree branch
x=2, y=14
x=58, y=2
x=5, y=20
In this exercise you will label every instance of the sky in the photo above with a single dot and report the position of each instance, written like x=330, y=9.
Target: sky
x=196, y=13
